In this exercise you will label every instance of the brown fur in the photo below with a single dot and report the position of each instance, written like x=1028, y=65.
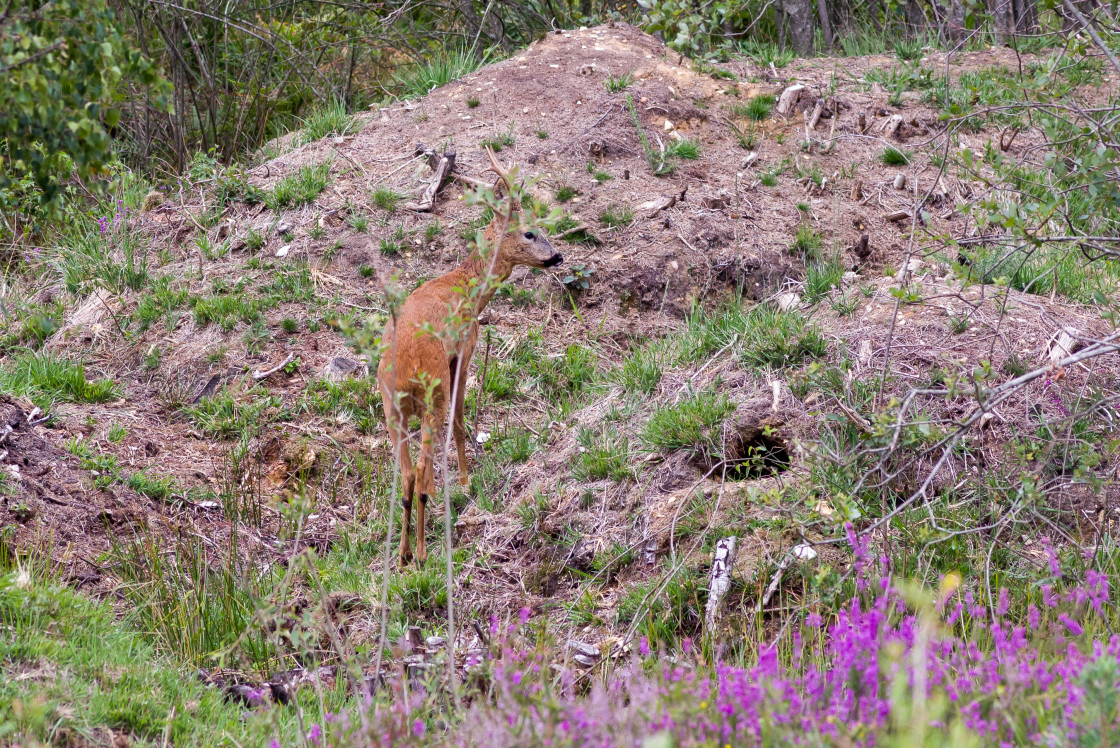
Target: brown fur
x=426, y=358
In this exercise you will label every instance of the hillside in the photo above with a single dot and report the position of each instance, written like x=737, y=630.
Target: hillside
x=791, y=332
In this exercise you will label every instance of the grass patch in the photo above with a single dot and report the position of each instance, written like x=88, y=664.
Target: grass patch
x=330, y=119
x=687, y=149
x=892, y=156
x=659, y=162
x=226, y=310
x=387, y=199
x=300, y=187
x=766, y=53
x=499, y=140
x=606, y=455
x=116, y=676
x=643, y=369
x=756, y=110
x=359, y=223
x=160, y=303
x=356, y=400
x=620, y=83
x=222, y=417
x=807, y=242
x=157, y=488
x=691, y=424
x=45, y=379
x=821, y=277
x=420, y=590
x=613, y=217
x=438, y=71
x=761, y=336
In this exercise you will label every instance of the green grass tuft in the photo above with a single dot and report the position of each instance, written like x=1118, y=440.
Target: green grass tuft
x=620, y=83
x=821, y=277
x=759, y=337
x=894, y=157
x=691, y=424
x=604, y=456
x=757, y=109
x=387, y=199
x=330, y=119
x=613, y=216
x=807, y=242
x=642, y=370
x=686, y=149
x=46, y=379
x=439, y=70
x=300, y=187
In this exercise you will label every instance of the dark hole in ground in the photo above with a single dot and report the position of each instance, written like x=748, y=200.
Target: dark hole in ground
x=762, y=456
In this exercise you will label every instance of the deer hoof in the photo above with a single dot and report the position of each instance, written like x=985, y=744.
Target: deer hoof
x=421, y=557
x=405, y=557
x=464, y=479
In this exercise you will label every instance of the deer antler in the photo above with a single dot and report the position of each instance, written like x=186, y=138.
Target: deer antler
x=503, y=177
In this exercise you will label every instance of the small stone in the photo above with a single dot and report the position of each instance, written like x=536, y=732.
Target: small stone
x=283, y=251
x=803, y=552
x=788, y=301
x=339, y=368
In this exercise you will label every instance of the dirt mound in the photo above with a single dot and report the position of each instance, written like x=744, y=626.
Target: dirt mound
x=732, y=220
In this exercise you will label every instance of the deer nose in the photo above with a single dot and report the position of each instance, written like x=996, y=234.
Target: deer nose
x=553, y=261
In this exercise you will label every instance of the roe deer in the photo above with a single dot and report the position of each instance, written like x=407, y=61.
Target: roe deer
x=422, y=356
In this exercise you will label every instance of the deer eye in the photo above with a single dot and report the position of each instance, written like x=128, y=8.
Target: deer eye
x=530, y=235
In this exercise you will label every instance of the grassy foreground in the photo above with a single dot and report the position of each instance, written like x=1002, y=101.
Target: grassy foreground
x=897, y=665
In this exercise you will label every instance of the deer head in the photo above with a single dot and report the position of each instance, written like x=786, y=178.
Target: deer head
x=522, y=244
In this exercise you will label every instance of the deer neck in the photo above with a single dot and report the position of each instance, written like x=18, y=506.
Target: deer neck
x=474, y=272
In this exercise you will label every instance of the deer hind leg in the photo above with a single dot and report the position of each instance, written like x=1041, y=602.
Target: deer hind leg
x=457, y=427
x=397, y=421
x=425, y=477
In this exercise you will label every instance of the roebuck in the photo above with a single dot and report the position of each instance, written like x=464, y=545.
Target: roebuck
x=430, y=342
